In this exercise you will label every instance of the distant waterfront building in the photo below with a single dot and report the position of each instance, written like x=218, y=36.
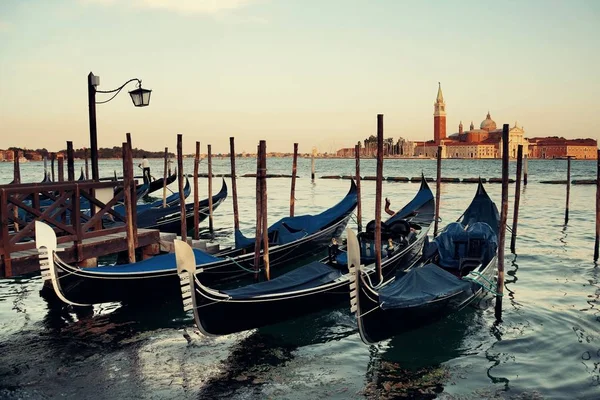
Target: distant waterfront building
x=559, y=147
x=8, y=155
x=485, y=142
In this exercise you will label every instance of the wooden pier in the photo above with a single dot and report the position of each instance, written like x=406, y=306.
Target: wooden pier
x=82, y=235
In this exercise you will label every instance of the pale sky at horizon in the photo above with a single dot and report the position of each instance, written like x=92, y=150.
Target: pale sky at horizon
x=314, y=72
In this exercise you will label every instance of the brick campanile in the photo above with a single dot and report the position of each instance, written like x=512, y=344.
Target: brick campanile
x=439, y=117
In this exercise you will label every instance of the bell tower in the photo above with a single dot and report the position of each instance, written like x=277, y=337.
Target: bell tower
x=439, y=117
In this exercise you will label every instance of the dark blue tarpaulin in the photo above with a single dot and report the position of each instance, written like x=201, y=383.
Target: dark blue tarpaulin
x=289, y=229
x=419, y=286
x=311, y=275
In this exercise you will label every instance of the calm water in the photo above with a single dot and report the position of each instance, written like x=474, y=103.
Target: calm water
x=547, y=347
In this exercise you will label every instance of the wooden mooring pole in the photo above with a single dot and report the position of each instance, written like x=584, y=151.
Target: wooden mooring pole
x=16, y=168
x=165, y=178
x=210, y=200
x=502, y=227
x=236, y=216
x=438, y=184
x=132, y=189
x=294, y=170
x=258, y=230
x=52, y=158
x=70, y=162
x=196, y=196
x=525, y=169
x=127, y=183
x=378, y=188
x=568, y=189
x=45, y=167
x=597, y=243
x=312, y=165
x=16, y=181
x=357, y=177
x=513, y=237
x=180, y=181
x=85, y=160
x=263, y=211
x=61, y=168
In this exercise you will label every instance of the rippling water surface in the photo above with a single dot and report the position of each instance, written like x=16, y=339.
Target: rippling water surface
x=548, y=345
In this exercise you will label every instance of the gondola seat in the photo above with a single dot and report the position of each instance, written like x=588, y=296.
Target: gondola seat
x=461, y=248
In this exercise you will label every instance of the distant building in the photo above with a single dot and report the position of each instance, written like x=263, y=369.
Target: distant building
x=559, y=147
x=8, y=155
x=485, y=142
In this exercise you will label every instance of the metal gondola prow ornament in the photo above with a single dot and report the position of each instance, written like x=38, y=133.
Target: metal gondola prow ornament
x=186, y=268
x=46, y=244
x=353, y=267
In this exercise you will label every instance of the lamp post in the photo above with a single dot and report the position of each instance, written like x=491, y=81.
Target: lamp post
x=139, y=96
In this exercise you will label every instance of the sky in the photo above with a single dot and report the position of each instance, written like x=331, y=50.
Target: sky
x=316, y=72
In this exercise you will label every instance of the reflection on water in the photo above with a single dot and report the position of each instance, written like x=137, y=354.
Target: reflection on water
x=411, y=365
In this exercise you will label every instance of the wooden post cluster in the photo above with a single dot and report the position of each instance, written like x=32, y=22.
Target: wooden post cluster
x=236, y=217
x=597, y=243
x=165, y=178
x=70, y=162
x=378, y=188
x=357, y=177
x=210, y=200
x=502, y=227
x=294, y=169
x=180, y=181
x=568, y=189
x=438, y=184
x=513, y=237
x=196, y=196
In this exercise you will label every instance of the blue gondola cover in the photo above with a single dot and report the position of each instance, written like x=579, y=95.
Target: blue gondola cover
x=419, y=286
x=308, y=276
x=157, y=263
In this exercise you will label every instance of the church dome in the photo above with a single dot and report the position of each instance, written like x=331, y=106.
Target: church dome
x=488, y=123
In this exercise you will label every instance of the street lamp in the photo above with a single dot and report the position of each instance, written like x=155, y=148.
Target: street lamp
x=139, y=96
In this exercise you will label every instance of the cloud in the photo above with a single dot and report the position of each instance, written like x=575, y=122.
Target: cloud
x=210, y=7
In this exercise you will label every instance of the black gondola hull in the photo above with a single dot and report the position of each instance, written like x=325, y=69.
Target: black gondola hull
x=230, y=316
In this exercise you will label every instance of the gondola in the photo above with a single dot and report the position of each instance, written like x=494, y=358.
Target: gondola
x=157, y=184
x=315, y=286
x=170, y=201
x=169, y=219
x=157, y=279
x=457, y=268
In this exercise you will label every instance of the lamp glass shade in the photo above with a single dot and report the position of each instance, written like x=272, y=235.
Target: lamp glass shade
x=140, y=97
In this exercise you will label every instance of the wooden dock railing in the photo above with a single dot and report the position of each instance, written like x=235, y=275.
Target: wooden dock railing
x=59, y=205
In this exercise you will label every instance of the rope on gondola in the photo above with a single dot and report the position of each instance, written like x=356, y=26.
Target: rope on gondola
x=474, y=280
x=241, y=266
